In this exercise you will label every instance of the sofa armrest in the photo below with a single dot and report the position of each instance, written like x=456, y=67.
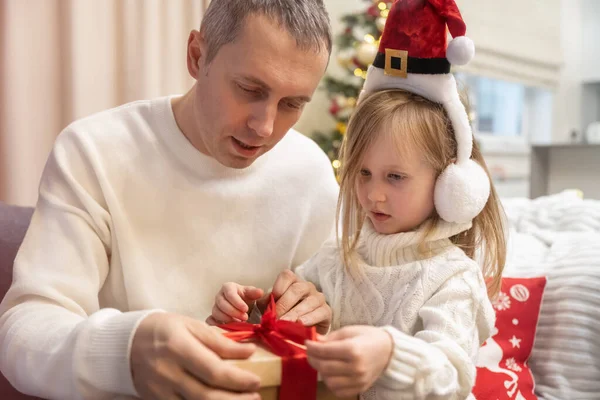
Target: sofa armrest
x=13, y=225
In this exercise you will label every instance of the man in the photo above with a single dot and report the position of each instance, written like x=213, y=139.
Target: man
x=154, y=205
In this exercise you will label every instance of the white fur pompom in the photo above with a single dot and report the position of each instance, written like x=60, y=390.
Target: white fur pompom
x=460, y=50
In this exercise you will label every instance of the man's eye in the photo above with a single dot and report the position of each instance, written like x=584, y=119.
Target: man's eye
x=248, y=90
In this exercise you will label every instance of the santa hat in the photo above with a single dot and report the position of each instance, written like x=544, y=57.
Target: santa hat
x=414, y=56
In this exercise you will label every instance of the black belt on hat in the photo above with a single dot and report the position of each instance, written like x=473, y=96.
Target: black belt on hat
x=415, y=65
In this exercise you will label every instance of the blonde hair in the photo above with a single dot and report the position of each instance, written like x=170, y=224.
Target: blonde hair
x=415, y=124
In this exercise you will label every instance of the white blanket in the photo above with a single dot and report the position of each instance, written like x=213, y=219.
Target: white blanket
x=559, y=237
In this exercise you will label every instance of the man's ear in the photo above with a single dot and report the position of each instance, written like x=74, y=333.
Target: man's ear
x=196, y=53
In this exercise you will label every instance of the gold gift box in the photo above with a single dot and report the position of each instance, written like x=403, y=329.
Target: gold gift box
x=268, y=367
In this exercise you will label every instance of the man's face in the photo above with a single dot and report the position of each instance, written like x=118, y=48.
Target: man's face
x=253, y=92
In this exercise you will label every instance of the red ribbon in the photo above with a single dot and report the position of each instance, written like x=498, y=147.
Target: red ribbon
x=298, y=378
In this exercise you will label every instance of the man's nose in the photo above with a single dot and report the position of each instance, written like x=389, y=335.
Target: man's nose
x=262, y=119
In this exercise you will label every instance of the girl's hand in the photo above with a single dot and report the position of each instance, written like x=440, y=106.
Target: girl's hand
x=299, y=300
x=351, y=359
x=233, y=303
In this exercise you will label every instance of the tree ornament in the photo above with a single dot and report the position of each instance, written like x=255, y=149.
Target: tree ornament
x=334, y=108
x=373, y=11
x=341, y=100
x=345, y=59
x=366, y=52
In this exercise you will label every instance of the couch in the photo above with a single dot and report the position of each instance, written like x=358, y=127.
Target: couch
x=13, y=224
x=556, y=236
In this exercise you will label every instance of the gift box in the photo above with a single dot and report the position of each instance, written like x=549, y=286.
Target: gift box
x=268, y=366
x=280, y=358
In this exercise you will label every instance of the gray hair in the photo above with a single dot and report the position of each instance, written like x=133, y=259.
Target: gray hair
x=306, y=20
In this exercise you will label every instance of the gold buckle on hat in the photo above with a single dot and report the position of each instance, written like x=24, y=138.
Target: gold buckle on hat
x=401, y=72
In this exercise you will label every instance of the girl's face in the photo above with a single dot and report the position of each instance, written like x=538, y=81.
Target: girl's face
x=395, y=188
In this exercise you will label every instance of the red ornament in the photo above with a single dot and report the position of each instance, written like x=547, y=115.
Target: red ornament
x=334, y=108
x=373, y=11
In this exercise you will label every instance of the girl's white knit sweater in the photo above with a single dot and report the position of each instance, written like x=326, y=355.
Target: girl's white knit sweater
x=435, y=306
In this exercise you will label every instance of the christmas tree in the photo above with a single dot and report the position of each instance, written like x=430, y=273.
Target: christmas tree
x=357, y=47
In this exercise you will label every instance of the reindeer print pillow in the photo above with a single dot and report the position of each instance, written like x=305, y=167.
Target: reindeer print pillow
x=502, y=370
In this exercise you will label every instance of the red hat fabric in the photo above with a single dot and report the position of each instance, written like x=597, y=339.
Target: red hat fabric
x=419, y=26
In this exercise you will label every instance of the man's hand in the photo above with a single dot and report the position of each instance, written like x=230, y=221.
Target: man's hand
x=298, y=300
x=351, y=359
x=176, y=357
x=233, y=302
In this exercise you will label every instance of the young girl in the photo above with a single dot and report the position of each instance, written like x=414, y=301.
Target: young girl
x=410, y=305
x=399, y=265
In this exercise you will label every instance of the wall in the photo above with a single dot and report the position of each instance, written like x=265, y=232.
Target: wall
x=568, y=96
x=515, y=40
x=591, y=103
x=590, y=68
x=577, y=102
x=590, y=65
x=575, y=168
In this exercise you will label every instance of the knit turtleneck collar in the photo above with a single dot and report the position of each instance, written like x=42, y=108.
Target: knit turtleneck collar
x=379, y=250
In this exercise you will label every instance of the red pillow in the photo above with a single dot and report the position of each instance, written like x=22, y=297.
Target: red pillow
x=502, y=370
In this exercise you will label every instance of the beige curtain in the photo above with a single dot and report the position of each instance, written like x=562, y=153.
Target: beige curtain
x=64, y=59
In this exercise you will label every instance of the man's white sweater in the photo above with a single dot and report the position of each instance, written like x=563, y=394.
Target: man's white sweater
x=434, y=306
x=132, y=218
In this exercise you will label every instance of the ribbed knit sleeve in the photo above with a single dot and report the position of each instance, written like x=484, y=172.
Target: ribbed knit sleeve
x=72, y=348
x=438, y=360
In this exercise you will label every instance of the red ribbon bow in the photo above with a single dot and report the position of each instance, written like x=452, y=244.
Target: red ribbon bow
x=298, y=378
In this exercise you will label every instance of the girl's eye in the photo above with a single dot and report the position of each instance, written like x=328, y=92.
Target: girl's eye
x=395, y=177
x=292, y=106
x=364, y=172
